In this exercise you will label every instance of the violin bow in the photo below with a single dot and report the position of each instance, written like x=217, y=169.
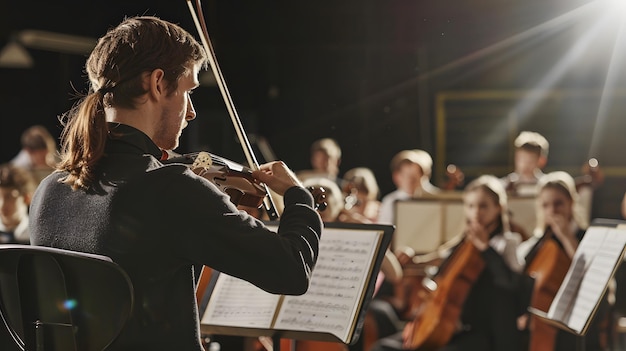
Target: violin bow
x=198, y=19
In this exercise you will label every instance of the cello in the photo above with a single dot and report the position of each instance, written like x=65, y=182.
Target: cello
x=437, y=319
x=548, y=265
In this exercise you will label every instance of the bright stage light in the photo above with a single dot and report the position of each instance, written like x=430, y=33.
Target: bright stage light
x=616, y=6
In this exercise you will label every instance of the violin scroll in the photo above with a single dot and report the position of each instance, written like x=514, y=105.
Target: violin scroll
x=456, y=178
x=593, y=175
x=319, y=197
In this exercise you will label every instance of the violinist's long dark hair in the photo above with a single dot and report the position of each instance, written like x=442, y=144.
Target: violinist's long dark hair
x=116, y=67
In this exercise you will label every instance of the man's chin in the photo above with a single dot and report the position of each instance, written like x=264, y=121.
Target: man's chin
x=169, y=146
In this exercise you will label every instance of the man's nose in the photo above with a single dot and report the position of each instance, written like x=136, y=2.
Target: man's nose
x=191, y=111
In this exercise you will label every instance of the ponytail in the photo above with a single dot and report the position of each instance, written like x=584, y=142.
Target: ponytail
x=83, y=140
x=115, y=68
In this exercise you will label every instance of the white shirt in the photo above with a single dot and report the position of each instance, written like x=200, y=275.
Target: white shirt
x=21, y=233
x=388, y=206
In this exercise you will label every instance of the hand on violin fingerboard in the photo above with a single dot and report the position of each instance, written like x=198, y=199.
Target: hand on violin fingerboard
x=277, y=176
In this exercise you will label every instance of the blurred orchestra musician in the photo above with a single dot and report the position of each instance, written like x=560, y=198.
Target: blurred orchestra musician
x=530, y=157
x=410, y=172
x=361, y=194
x=547, y=256
x=325, y=158
x=478, y=277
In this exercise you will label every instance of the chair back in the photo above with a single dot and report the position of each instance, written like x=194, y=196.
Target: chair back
x=54, y=299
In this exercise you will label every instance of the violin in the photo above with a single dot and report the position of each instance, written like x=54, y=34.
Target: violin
x=235, y=180
x=231, y=178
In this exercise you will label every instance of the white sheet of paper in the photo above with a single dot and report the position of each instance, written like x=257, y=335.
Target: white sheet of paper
x=236, y=302
x=585, y=282
x=330, y=304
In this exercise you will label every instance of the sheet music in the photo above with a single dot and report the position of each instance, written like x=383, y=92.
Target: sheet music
x=239, y=303
x=592, y=267
x=419, y=225
x=338, y=280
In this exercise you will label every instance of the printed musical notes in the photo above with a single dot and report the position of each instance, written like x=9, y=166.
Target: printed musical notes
x=342, y=269
x=594, y=263
x=339, y=281
x=239, y=303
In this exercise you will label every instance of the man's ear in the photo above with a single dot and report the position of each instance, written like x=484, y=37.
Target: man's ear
x=542, y=162
x=395, y=178
x=156, y=83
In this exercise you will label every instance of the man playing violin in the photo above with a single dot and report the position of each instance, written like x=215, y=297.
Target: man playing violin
x=112, y=195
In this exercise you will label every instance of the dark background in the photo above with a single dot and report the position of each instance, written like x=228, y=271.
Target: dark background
x=458, y=78
x=372, y=74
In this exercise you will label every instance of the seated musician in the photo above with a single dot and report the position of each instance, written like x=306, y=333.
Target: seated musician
x=361, y=193
x=112, y=194
x=531, y=155
x=325, y=159
x=489, y=305
x=410, y=173
x=560, y=219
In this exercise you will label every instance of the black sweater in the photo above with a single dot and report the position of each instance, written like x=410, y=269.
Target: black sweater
x=157, y=221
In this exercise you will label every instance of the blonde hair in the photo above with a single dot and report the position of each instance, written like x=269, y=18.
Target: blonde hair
x=494, y=187
x=564, y=183
x=364, y=180
x=532, y=141
x=417, y=156
x=327, y=145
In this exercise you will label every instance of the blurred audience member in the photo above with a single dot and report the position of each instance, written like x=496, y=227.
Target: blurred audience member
x=38, y=152
x=16, y=188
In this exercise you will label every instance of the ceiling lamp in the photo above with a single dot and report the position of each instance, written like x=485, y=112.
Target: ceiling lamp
x=14, y=55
